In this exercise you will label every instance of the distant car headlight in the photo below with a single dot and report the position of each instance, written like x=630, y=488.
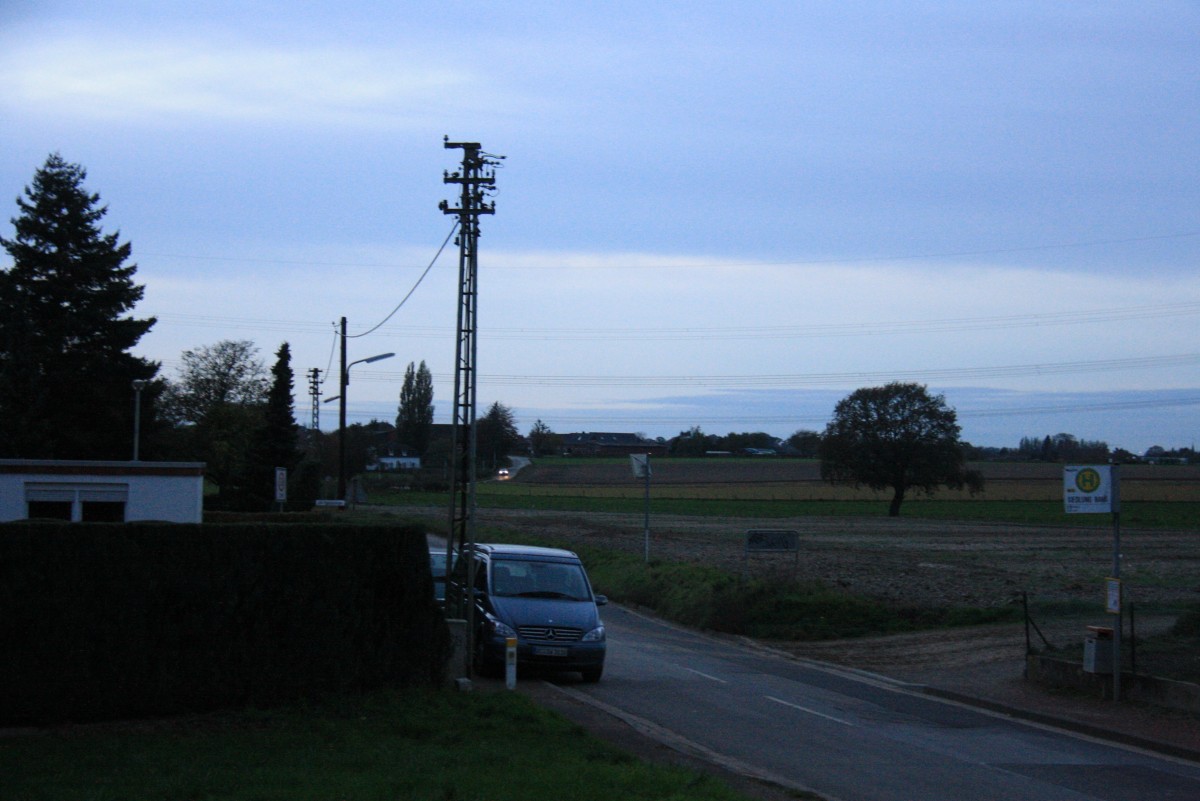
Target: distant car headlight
x=595, y=635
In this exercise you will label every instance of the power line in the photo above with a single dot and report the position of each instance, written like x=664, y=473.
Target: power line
x=935, y=375
x=636, y=420
x=667, y=264
x=813, y=331
x=404, y=300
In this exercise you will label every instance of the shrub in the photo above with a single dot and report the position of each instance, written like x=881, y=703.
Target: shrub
x=116, y=620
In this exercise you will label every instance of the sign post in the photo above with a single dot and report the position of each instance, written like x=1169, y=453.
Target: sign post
x=1095, y=489
x=641, y=469
x=281, y=486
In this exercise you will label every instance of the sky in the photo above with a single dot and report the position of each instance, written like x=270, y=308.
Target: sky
x=706, y=216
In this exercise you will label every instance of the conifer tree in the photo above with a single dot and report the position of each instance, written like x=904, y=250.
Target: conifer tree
x=276, y=440
x=66, y=372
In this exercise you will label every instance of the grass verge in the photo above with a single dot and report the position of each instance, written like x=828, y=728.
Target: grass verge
x=1173, y=515
x=439, y=746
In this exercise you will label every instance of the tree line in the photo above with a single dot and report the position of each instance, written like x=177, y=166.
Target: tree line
x=67, y=378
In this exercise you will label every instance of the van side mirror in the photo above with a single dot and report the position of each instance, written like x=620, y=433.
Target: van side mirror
x=601, y=600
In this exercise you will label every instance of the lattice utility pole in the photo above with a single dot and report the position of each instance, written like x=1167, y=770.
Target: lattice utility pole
x=477, y=177
x=314, y=392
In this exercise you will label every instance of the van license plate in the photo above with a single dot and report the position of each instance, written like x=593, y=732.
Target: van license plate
x=539, y=650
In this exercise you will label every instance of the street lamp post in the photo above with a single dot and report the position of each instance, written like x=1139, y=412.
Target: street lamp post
x=345, y=381
x=138, y=386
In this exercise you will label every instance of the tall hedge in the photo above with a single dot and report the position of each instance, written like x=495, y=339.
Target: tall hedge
x=125, y=620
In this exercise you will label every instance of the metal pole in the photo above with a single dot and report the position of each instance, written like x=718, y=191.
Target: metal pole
x=342, y=382
x=138, y=386
x=1116, y=513
x=647, y=508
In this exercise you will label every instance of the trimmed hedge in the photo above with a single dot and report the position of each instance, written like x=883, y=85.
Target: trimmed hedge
x=128, y=620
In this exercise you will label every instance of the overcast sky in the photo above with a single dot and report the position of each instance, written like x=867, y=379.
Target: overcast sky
x=707, y=216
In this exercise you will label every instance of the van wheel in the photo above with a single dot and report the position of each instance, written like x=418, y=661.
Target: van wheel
x=592, y=675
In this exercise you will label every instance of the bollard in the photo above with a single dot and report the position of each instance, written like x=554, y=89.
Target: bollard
x=510, y=663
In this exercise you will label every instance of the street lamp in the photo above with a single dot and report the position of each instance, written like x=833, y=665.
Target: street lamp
x=138, y=386
x=342, y=412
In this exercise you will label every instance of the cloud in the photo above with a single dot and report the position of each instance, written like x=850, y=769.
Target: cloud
x=189, y=80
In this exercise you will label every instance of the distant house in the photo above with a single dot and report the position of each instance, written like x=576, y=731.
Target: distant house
x=109, y=492
x=393, y=463
x=609, y=444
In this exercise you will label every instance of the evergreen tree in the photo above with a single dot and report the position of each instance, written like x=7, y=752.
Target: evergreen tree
x=414, y=420
x=276, y=442
x=66, y=373
x=497, y=436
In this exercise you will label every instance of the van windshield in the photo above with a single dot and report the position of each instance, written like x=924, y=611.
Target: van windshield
x=521, y=579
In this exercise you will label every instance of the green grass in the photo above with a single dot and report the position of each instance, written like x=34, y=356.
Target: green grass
x=440, y=746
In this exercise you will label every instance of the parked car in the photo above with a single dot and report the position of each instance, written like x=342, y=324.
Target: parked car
x=542, y=597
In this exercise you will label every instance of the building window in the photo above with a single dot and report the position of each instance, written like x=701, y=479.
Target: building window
x=103, y=512
x=83, y=502
x=49, y=510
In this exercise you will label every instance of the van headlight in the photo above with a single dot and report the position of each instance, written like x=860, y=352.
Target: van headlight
x=501, y=630
x=595, y=635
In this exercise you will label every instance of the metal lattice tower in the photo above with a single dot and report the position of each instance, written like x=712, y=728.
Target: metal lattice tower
x=314, y=391
x=476, y=178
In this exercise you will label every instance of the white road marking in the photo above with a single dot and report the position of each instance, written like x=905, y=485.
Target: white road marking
x=705, y=675
x=807, y=710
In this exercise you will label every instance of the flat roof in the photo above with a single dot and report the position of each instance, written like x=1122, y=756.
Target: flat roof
x=66, y=467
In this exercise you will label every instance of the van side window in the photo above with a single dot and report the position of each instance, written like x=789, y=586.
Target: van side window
x=481, y=576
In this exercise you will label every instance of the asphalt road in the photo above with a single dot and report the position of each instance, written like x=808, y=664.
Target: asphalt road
x=851, y=736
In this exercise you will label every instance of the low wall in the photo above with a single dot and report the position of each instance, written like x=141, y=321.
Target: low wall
x=1064, y=673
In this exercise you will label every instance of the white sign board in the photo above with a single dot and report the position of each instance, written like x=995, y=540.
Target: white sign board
x=641, y=464
x=1089, y=489
x=280, y=484
x=1113, y=596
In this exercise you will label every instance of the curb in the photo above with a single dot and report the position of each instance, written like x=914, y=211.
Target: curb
x=1067, y=724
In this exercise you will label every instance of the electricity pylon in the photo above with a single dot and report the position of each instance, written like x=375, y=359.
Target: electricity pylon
x=477, y=178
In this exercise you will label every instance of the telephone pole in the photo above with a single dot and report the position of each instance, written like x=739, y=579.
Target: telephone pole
x=477, y=177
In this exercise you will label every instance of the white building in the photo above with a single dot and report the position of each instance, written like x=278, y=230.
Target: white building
x=390, y=463
x=101, y=491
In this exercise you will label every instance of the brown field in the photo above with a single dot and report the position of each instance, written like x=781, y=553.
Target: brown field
x=904, y=561
x=798, y=479
x=901, y=560
x=912, y=562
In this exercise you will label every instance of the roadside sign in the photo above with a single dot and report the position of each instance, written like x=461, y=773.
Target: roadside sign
x=640, y=462
x=1112, y=603
x=772, y=540
x=1089, y=489
x=281, y=484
